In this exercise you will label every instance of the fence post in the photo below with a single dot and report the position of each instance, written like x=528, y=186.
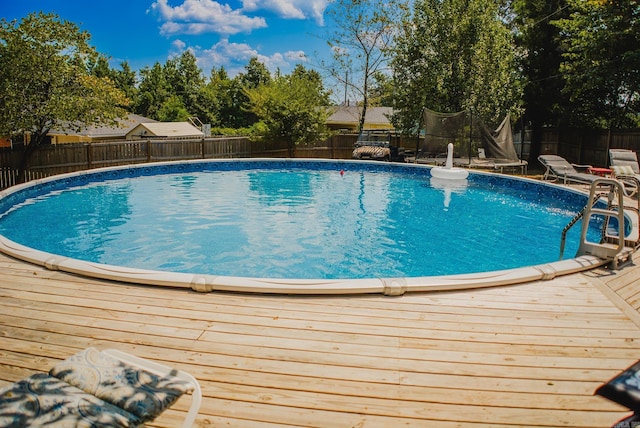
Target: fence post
x=89, y=156
x=608, y=146
x=148, y=150
x=333, y=147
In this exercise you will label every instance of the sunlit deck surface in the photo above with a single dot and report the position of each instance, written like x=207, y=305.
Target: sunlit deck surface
x=525, y=355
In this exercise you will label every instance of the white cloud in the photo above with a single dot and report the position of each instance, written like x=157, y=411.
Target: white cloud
x=290, y=9
x=204, y=16
x=178, y=45
x=296, y=56
x=235, y=56
x=199, y=17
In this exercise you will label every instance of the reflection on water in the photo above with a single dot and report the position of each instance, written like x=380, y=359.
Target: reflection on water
x=274, y=187
x=449, y=186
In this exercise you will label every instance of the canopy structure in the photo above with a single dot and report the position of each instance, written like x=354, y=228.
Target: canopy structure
x=468, y=133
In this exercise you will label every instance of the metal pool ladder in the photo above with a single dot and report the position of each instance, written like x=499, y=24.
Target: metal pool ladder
x=620, y=233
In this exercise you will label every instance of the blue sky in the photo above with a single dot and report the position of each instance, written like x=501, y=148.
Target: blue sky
x=281, y=33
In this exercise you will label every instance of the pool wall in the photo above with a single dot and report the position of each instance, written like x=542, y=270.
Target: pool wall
x=208, y=283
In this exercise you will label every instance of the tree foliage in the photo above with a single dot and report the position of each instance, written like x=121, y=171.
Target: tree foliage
x=175, y=91
x=153, y=91
x=293, y=108
x=186, y=81
x=124, y=79
x=178, y=90
x=452, y=55
x=255, y=74
x=601, y=62
x=226, y=99
x=46, y=80
x=539, y=62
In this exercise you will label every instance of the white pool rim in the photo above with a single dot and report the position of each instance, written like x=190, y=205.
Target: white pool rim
x=211, y=283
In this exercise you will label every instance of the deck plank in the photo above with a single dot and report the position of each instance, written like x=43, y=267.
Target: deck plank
x=526, y=355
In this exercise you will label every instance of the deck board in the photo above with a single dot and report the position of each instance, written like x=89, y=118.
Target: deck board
x=525, y=355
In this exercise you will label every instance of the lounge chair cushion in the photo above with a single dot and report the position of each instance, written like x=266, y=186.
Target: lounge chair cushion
x=622, y=170
x=43, y=400
x=564, y=169
x=626, y=155
x=137, y=391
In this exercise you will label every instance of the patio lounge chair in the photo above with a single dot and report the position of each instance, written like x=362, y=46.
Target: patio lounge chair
x=624, y=164
x=93, y=388
x=624, y=158
x=558, y=168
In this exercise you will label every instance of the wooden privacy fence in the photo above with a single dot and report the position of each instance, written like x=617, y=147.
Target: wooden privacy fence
x=62, y=158
x=577, y=146
x=590, y=147
x=57, y=159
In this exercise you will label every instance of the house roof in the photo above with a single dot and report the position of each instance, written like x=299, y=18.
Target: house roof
x=349, y=115
x=106, y=131
x=168, y=129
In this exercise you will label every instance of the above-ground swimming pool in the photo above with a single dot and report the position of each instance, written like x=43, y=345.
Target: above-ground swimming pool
x=308, y=226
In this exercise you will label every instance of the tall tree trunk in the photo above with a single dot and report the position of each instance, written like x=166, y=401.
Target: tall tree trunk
x=35, y=141
x=362, y=117
x=536, y=142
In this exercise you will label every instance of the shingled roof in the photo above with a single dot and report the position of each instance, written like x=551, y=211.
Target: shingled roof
x=348, y=116
x=105, y=131
x=165, y=129
x=133, y=126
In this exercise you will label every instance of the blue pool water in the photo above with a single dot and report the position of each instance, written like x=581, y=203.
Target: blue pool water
x=286, y=219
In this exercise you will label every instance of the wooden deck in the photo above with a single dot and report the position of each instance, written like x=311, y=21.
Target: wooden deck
x=526, y=355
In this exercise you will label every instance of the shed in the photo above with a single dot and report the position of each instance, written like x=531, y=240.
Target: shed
x=347, y=117
x=86, y=134
x=164, y=130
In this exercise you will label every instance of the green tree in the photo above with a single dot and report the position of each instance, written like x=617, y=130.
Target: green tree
x=46, y=81
x=228, y=101
x=382, y=90
x=124, y=79
x=173, y=110
x=293, y=108
x=360, y=36
x=255, y=74
x=175, y=91
x=153, y=92
x=453, y=55
x=221, y=102
x=601, y=62
x=537, y=38
x=101, y=67
x=185, y=81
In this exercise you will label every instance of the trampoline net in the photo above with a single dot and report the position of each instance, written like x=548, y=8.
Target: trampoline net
x=468, y=133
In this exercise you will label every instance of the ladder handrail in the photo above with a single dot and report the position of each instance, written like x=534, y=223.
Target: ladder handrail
x=572, y=223
x=619, y=213
x=614, y=209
